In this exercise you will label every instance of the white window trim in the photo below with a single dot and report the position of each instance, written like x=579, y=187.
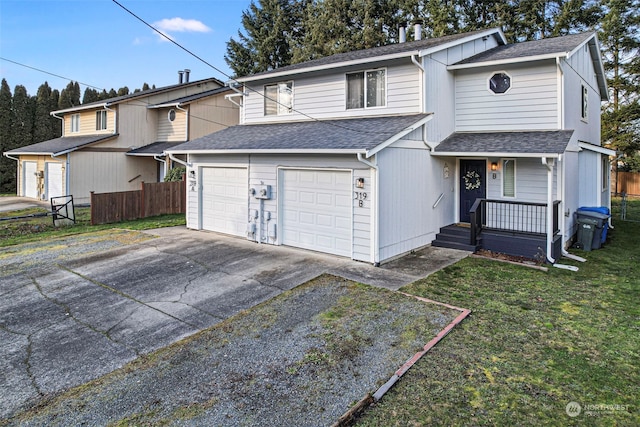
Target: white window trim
x=584, y=104
x=364, y=107
x=605, y=172
x=75, y=120
x=515, y=175
x=278, y=103
x=175, y=115
x=489, y=83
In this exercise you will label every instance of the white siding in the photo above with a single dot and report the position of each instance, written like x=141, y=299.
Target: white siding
x=531, y=102
x=324, y=96
x=589, y=178
x=410, y=182
x=265, y=169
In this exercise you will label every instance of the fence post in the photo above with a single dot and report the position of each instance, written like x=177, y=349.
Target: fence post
x=143, y=214
x=93, y=209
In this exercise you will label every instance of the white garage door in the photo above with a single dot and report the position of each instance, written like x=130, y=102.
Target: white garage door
x=224, y=204
x=29, y=180
x=316, y=210
x=53, y=179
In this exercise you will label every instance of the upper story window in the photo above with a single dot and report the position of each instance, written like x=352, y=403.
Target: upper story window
x=278, y=99
x=500, y=83
x=101, y=120
x=585, y=103
x=366, y=89
x=75, y=123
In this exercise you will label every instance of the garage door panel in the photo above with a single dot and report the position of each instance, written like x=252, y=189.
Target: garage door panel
x=316, y=210
x=225, y=200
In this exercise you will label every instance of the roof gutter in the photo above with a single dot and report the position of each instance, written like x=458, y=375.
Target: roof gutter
x=506, y=61
x=182, y=162
x=9, y=156
x=496, y=154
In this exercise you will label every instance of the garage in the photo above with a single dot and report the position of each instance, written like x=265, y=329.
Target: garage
x=316, y=208
x=53, y=180
x=30, y=179
x=224, y=206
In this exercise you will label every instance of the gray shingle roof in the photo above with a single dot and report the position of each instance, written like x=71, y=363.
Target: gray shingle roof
x=359, y=134
x=373, y=52
x=155, y=149
x=543, y=142
x=60, y=145
x=552, y=45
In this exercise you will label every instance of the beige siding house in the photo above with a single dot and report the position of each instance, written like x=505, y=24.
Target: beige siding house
x=115, y=144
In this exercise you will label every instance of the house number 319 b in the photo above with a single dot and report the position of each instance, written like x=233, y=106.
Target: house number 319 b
x=360, y=197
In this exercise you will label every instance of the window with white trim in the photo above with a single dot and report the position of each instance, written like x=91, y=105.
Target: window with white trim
x=101, y=120
x=278, y=99
x=606, y=169
x=75, y=123
x=508, y=178
x=585, y=103
x=366, y=89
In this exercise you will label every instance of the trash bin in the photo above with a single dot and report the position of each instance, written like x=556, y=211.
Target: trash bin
x=586, y=233
x=601, y=216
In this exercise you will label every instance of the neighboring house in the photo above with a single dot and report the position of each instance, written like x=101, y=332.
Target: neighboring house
x=115, y=144
x=374, y=153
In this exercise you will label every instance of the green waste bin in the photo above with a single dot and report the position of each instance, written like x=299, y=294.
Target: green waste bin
x=586, y=231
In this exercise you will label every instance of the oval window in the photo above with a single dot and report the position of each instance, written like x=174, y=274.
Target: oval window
x=499, y=83
x=171, y=115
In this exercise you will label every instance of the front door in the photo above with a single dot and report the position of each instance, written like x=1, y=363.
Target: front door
x=472, y=185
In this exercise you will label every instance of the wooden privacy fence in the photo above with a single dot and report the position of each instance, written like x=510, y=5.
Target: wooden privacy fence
x=152, y=199
x=627, y=182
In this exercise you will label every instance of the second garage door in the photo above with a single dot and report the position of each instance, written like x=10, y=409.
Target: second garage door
x=316, y=210
x=225, y=200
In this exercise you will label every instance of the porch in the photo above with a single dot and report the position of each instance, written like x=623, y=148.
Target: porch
x=509, y=227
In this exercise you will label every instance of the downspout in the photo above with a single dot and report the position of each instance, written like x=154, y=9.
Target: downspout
x=432, y=148
x=375, y=247
x=186, y=125
x=182, y=162
x=115, y=115
x=52, y=114
x=549, y=164
x=420, y=82
x=163, y=161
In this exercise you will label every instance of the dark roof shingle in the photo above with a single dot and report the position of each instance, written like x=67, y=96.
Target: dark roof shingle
x=532, y=142
x=155, y=149
x=347, y=134
x=60, y=145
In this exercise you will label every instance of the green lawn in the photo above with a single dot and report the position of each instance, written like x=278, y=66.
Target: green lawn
x=534, y=342
x=17, y=231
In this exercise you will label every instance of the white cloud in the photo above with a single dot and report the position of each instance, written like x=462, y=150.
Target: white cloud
x=181, y=25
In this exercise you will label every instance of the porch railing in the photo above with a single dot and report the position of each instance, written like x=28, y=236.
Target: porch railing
x=504, y=215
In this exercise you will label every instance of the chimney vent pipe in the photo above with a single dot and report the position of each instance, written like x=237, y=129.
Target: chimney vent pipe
x=402, y=30
x=186, y=75
x=180, y=73
x=417, y=27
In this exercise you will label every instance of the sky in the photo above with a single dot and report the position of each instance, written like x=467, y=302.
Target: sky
x=97, y=43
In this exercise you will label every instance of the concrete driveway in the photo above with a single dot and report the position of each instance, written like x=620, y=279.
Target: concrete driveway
x=13, y=203
x=76, y=308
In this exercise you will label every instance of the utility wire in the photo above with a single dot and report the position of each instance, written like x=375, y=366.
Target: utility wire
x=235, y=81
x=51, y=74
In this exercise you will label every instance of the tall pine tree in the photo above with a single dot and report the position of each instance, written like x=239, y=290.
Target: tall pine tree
x=45, y=126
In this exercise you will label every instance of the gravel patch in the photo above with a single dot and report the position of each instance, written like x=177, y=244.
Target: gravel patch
x=29, y=256
x=301, y=359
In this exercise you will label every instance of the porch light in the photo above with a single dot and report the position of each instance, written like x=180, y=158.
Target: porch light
x=494, y=166
x=360, y=183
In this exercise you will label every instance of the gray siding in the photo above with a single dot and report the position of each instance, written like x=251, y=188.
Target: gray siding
x=324, y=96
x=530, y=104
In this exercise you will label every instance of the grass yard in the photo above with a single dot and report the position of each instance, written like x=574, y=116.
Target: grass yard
x=26, y=230
x=534, y=342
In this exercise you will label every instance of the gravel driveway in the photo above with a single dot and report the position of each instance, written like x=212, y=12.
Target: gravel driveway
x=77, y=308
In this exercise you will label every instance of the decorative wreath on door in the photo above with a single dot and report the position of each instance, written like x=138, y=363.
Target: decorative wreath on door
x=471, y=180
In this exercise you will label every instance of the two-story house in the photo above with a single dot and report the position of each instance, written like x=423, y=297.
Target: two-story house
x=374, y=153
x=115, y=144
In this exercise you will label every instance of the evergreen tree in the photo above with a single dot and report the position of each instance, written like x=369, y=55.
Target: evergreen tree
x=266, y=41
x=23, y=109
x=123, y=91
x=70, y=96
x=7, y=166
x=45, y=126
x=620, y=38
x=90, y=95
x=145, y=86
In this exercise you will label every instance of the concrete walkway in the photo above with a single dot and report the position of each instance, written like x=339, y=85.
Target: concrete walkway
x=76, y=308
x=14, y=203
